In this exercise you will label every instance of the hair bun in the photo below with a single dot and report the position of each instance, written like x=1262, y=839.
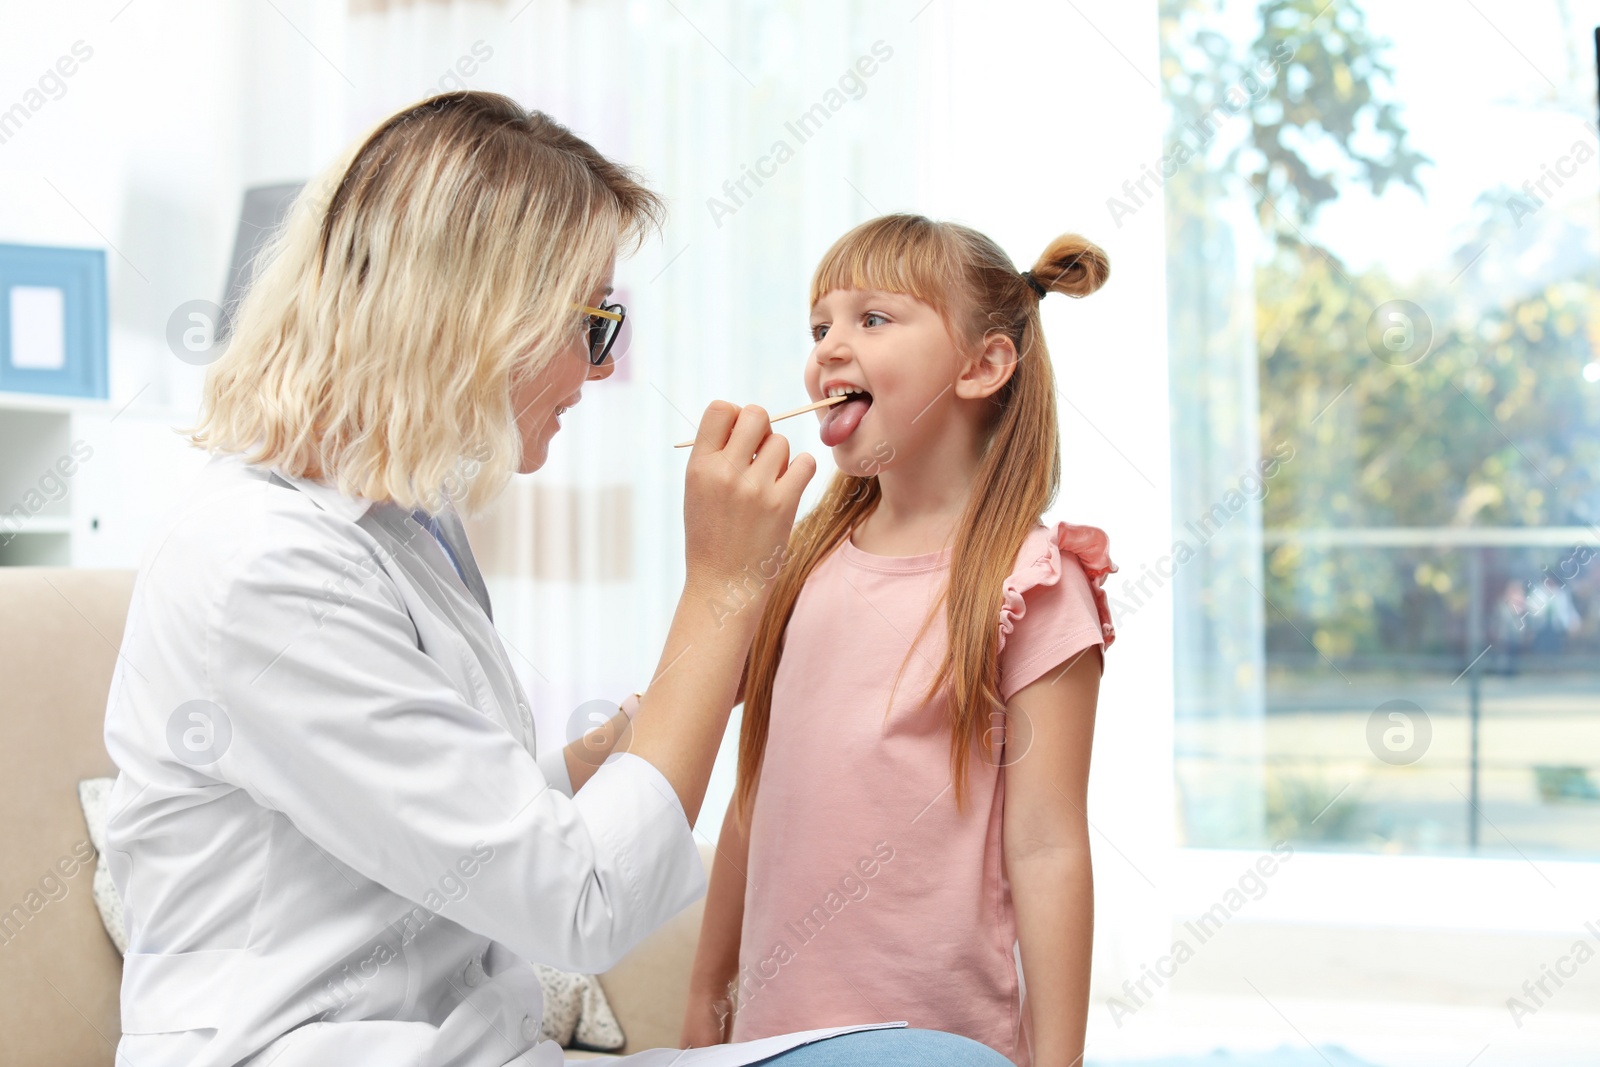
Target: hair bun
x=1072, y=265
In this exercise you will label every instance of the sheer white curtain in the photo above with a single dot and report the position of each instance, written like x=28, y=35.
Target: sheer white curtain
x=585, y=558
x=993, y=114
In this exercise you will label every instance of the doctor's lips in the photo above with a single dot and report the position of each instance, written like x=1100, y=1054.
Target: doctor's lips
x=563, y=408
x=825, y=402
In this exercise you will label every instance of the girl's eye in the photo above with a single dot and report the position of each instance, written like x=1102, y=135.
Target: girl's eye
x=819, y=331
x=869, y=316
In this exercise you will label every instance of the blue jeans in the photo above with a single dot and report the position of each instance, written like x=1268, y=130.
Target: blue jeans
x=892, y=1048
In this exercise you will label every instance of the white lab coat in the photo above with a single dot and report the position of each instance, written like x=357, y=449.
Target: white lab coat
x=334, y=838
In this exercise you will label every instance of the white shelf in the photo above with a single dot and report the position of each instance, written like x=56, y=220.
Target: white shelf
x=67, y=405
x=83, y=482
x=45, y=402
x=37, y=524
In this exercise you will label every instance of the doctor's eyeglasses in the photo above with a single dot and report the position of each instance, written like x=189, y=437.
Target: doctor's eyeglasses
x=605, y=324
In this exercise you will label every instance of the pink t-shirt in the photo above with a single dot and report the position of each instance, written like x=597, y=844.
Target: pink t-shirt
x=869, y=898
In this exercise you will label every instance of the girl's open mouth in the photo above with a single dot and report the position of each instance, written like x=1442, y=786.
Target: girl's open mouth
x=841, y=420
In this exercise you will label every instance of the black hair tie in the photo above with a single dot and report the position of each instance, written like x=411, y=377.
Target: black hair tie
x=1033, y=283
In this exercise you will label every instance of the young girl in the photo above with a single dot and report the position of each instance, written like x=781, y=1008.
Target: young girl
x=908, y=837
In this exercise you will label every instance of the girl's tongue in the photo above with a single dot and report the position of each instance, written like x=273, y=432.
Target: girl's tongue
x=841, y=420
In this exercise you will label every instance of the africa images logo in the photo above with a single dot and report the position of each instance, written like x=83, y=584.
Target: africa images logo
x=199, y=732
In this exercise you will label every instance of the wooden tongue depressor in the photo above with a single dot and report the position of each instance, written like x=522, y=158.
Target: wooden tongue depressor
x=826, y=401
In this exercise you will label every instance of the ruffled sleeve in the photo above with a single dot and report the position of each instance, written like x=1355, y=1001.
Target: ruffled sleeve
x=1054, y=602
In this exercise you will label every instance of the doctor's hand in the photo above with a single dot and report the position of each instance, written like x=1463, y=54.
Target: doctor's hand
x=740, y=497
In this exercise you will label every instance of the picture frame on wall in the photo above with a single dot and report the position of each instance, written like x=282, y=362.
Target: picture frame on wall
x=53, y=321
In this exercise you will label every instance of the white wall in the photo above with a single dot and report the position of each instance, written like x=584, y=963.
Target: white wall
x=147, y=152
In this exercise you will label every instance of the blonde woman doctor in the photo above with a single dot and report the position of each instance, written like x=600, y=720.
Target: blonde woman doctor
x=334, y=836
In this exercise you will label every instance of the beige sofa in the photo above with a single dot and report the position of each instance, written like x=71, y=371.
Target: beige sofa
x=59, y=974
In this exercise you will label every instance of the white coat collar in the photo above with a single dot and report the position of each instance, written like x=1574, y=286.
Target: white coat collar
x=328, y=497
x=463, y=566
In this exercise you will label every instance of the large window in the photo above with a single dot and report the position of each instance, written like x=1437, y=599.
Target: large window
x=1384, y=330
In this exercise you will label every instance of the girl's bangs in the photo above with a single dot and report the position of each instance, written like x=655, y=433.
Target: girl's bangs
x=890, y=257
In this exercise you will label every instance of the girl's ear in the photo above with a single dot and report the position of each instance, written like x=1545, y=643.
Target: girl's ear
x=986, y=373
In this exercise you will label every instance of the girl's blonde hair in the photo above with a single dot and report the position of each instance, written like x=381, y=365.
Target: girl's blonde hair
x=415, y=284
x=977, y=290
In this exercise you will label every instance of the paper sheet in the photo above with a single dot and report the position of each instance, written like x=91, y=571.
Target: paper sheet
x=737, y=1054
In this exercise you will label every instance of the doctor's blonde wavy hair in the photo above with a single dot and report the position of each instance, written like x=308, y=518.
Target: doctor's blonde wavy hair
x=422, y=277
